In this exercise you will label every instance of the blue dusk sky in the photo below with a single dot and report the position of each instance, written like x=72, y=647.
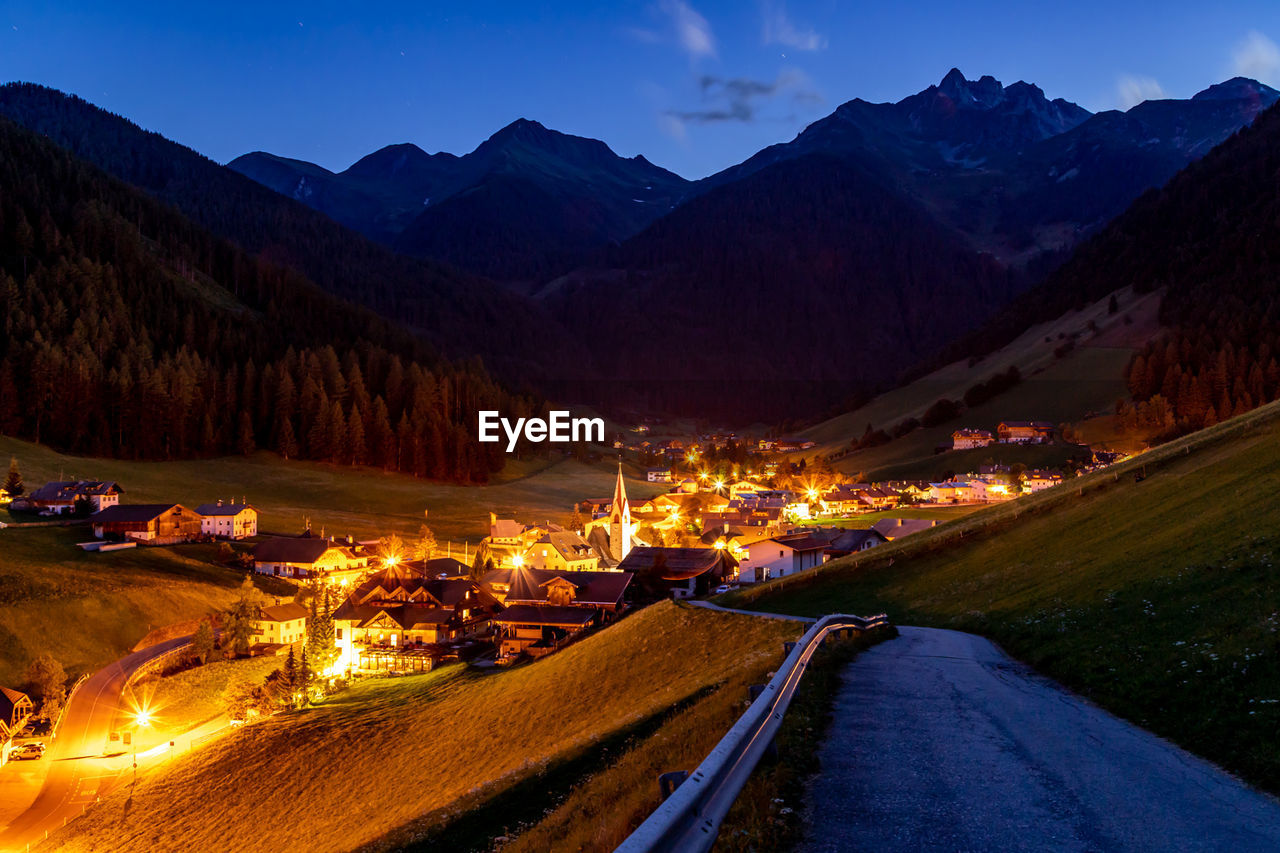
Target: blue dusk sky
x=693, y=85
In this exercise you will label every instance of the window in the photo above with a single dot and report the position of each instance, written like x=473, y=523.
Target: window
x=339, y=633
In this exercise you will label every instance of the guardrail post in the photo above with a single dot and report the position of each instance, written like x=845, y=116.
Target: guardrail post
x=787, y=647
x=668, y=782
x=754, y=691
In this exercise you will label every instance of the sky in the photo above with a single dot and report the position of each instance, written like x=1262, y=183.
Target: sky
x=693, y=85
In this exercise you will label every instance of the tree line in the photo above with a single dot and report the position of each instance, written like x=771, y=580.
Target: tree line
x=131, y=332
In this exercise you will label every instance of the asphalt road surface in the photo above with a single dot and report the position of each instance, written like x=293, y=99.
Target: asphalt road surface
x=79, y=772
x=940, y=742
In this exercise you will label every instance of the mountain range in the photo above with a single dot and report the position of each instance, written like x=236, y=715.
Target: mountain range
x=815, y=271
x=1017, y=174
x=526, y=202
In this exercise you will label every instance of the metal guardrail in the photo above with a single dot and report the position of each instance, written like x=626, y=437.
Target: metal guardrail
x=689, y=819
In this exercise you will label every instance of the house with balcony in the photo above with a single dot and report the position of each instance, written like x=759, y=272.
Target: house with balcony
x=228, y=520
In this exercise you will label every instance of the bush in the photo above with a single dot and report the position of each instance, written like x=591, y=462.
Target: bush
x=941, y=412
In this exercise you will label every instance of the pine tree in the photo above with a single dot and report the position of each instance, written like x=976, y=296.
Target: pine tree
x=244, y=437
x=481, y=564
x=320, y=647
x=202, y=641
x=239, y=620
x=13, y=482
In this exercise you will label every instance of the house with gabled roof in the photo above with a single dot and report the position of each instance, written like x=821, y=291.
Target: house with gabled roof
x=546, y=609
x=779, y=556
x=60, y=497
x=310, y=556
x=155, y=524
x=400, y=608
x=228, y=520
x=280, y=625
x=679, y=572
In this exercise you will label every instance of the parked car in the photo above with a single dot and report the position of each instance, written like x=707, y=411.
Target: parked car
x=26, y=751
x=722, y=589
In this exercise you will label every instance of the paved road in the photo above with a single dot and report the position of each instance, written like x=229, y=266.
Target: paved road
x=940, y=742
x=78, y=772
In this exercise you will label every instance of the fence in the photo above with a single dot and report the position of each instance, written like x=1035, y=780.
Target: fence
x=689, y=819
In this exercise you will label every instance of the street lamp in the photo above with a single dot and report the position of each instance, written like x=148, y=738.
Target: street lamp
x=142, y=720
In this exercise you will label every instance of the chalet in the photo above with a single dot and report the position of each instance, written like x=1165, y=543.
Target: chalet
x=1025, y=432
x=280, y=625
x=966, y=439
x=658, y=475
x=783, y=555
x=878, y=499
x=15, y=710
x=680, y=572
x=843, y=500
x=546, y=609
x=896, y=528
x=1036, y=481
x=63, y=497
x=952, y=491
x=848, y=542
x=228, y=520
x=562, y=550
x=401, y=611
x=310, y=556
x=443, y=567
x=154, y=524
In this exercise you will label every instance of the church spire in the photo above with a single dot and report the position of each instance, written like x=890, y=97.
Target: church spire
x=620, y=521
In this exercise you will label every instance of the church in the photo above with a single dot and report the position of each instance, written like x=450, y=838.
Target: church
x=613, y=536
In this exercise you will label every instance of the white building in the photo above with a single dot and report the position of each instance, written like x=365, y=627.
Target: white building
x=228, y=520
x=780, y=556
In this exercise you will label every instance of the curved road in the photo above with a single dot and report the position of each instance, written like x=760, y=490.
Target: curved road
x=79, y=772
x=941, y=742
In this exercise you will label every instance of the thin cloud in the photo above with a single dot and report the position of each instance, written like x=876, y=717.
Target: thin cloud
x=1257, y=57
x=779, y=29
x=1132, y=90
x=692, y=31
x=742, y=98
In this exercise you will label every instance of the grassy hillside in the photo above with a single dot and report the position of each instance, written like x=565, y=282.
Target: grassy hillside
x=1157, y=597
x=88, y=609
x=1087, y=379
x=381, y=760
x=364, y=502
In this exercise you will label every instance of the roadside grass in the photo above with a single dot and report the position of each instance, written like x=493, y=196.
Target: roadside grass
x=380, y=757
x=87, y=609
x=363, y=502
x=1150, y=587
x=184, y=700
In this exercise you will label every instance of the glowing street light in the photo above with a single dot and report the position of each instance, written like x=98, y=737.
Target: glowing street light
x=517, y=561
x=390, y=561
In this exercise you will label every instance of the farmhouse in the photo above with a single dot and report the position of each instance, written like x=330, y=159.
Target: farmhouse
x=546, y=609
x=62, y=496
x=309, y=556
x=562, y=550
x=1025, y=432
x=1036, y=481
x=849, y=542
x=154, y=524
x=228, y=520
x=780, y=556
x=965, y=439
x=658, y=475
x=679, y=572
x=400, y=610
x=15, y=710
x=952, y=491
x=280, y=625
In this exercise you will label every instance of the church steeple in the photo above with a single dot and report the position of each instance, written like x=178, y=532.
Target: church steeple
x=620, y=521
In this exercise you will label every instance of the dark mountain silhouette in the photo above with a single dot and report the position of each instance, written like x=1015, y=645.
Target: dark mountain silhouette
x=462, y=315
x=526, y=203
x=134, y=332
x=1211, y=238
